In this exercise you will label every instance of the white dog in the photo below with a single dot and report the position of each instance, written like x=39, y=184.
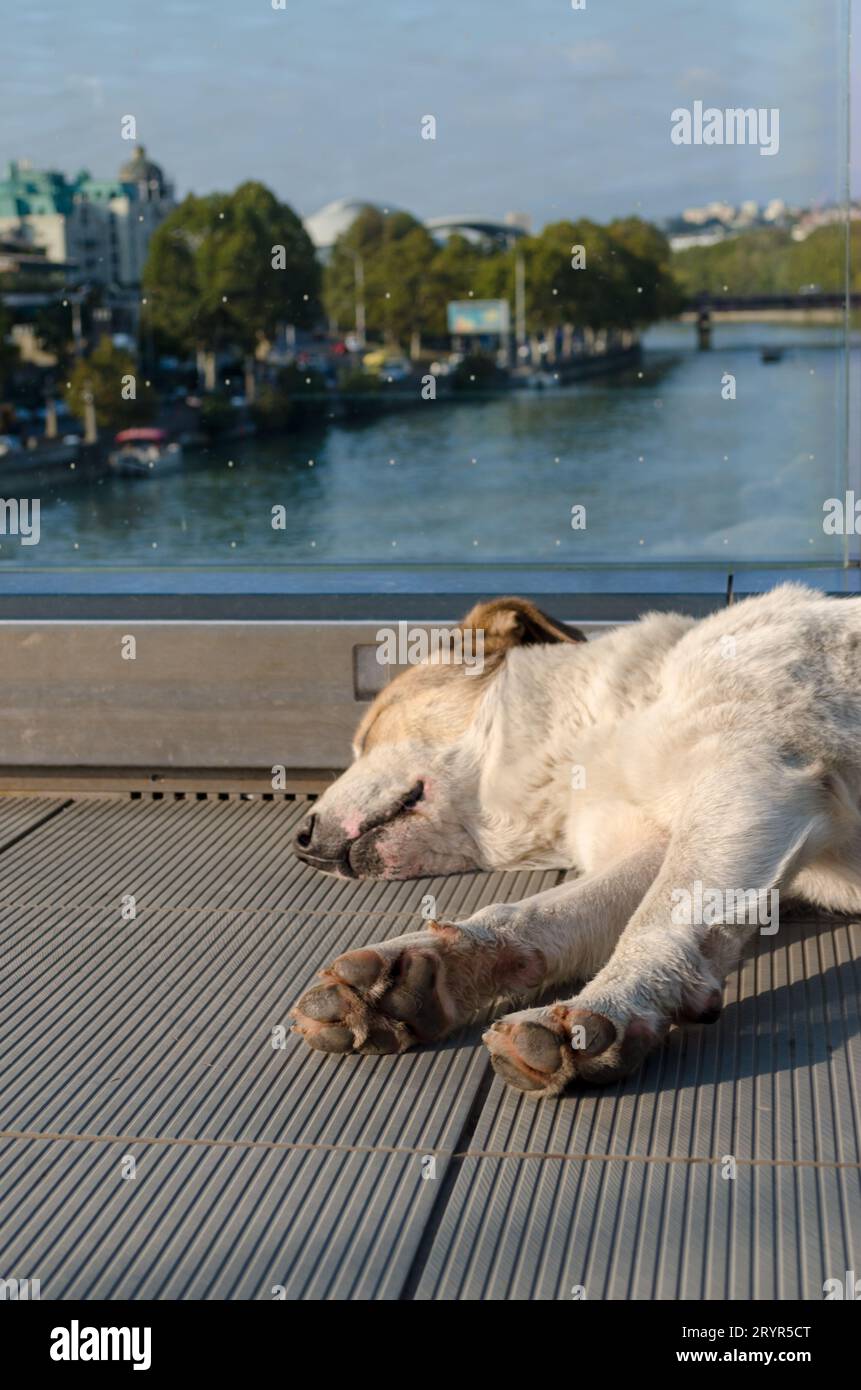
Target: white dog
x=672, y=762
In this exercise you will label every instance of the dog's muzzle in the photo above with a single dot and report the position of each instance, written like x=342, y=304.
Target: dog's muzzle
x=324, y=846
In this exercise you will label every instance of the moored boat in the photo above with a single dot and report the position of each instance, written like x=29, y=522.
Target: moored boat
x=144, y=452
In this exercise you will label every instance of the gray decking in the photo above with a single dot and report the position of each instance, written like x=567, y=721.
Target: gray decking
x=258, y=1166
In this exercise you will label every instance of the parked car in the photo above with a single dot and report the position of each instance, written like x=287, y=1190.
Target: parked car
x=387, y=364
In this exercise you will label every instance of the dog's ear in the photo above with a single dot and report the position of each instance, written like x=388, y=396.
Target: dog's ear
x=515, y=622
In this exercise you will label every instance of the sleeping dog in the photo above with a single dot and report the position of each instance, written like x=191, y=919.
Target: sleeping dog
x=672, y=763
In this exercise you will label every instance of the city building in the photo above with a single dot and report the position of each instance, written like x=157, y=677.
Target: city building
x=706, y=226
x=324, y=227
x=101, y=227
x=481, y=230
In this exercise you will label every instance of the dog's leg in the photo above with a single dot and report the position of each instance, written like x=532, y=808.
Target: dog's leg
x=415, y=988
x=745, y=832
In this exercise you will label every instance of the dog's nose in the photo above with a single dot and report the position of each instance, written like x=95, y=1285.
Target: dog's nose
x=305, y=835
x=320, y=842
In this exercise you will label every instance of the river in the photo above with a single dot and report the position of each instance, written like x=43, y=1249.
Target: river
x=666, y=469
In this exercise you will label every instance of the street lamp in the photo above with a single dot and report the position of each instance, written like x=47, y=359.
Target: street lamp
x=359, y=274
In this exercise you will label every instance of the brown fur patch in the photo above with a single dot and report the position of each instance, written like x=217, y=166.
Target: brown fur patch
x=431, y=702
x=516, y=622
x=436, y=700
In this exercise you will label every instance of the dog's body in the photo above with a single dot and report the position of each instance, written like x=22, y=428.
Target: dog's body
x=666, y=760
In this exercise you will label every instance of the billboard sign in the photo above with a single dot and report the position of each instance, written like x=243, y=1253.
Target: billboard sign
x=478, y=316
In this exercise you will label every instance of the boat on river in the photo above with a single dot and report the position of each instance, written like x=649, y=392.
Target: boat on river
x=144, y=453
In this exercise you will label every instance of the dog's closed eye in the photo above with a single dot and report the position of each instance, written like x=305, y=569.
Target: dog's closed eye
x=413, y=796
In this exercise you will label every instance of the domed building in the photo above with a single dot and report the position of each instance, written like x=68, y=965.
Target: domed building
x=99, y=228
x=146, y=175
x=324, y=227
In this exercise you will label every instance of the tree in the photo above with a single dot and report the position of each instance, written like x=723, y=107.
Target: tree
x=821, y=259
x=565, y=285
x=52, y=327
x=460, y=269
x=394, y=255
x=753, y=263
x=111, y=376
x=583, y=275
x=649, y=262
x=227, y=269
x=263, y=262
x=180, y=308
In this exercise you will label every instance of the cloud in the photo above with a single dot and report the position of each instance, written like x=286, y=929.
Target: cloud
x=94, y=85
x=593, y=57
x=698, y=77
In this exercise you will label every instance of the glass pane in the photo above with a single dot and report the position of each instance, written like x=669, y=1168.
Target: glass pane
x=405, y=285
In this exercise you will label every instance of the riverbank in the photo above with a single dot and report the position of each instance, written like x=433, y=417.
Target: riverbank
x=51, y=461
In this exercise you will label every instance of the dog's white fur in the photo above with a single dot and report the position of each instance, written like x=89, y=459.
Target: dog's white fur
x=725, y=752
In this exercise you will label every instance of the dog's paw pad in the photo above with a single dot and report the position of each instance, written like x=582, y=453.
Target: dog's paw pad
x=542, y=1054
x=540, y=1051
x=361, y=969
x=374, y=1001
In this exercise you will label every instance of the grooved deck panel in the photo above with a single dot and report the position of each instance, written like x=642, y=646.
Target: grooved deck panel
x=528, y=1229
x=623, y=1191
x=152, y=1036
x=260, y=1167
x=21, y=814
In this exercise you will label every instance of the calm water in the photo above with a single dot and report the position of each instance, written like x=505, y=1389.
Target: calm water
x=666, y=469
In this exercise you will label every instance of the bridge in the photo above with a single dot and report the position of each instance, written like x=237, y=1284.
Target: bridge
x=705, y=306
x=733, y=303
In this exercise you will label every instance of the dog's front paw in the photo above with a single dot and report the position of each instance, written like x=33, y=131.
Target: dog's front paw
x=382, y=998
x=541, y=1051
x=414, y=988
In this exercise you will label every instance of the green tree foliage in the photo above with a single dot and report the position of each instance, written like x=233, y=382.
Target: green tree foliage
x=396, y=257
x=557, y=292
x=588, y=276
x=460, y=270
x=649, y=259
x=226, y=269
x=101, y=374
x=767, y=261
x=626, y=280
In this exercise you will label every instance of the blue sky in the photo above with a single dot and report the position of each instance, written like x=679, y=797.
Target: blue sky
x=539, y=108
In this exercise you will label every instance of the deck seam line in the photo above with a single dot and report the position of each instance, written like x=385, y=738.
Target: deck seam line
x=289, y=1146
x=437, y=1214
x=23, y=834
x=445, y=1195
x=214, y=910
x=848, y=919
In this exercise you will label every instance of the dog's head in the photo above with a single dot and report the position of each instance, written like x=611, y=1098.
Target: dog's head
x=411, y=802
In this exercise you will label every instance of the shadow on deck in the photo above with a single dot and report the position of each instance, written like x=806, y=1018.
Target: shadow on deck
x=262, y=1167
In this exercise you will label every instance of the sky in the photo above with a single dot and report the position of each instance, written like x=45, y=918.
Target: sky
x=539, y=108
